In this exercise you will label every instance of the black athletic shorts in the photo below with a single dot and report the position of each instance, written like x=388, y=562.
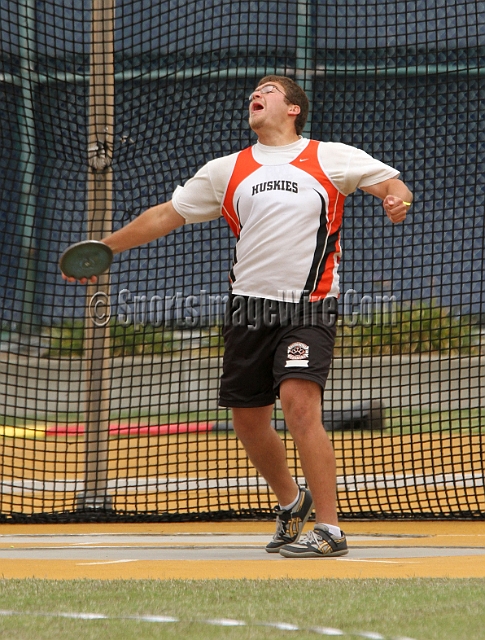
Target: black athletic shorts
x=267, y=342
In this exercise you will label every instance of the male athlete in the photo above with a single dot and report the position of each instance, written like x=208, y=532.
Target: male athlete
x=283, y=199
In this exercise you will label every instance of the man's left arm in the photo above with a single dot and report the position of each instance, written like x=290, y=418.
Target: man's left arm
x=396, y=198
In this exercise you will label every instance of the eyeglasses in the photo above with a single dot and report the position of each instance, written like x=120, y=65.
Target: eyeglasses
x=268, y=88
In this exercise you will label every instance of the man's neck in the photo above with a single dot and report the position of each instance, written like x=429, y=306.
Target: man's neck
x=277, y=138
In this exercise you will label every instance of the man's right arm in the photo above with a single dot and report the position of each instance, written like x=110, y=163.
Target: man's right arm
x=153, y=223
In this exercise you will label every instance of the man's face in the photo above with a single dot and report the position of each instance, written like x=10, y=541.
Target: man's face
x=267, y=105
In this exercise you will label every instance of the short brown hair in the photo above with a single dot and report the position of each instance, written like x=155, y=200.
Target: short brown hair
x=294, y=95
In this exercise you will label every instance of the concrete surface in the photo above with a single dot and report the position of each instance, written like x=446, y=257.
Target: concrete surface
x=236, y=550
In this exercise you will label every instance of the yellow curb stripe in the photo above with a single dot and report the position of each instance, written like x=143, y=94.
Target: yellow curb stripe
x=452, y=529
x=310, y=569
x=33, y=432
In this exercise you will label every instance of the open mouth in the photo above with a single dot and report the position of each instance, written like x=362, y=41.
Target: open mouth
x=256, y=106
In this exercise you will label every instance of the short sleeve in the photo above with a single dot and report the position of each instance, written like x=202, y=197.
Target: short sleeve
x=200, y=199
x=351, y=168
x=196, y=200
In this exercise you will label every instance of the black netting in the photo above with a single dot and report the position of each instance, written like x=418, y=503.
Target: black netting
x=403, y=405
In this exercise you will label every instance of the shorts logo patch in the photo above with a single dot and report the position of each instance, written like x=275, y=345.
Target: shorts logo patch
x=297, y=355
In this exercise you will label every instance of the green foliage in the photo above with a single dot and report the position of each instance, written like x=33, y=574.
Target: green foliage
x=131, y=341
x=67, y=340
x=419, y=327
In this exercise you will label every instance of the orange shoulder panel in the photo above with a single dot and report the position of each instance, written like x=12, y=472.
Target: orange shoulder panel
x=245, y=165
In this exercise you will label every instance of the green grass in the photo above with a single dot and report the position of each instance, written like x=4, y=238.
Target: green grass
x=144, y=417
x=423, y=609
x=405, y=421
x=401, y=421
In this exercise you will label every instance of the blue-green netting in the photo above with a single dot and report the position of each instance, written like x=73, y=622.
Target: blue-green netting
x=402, y=80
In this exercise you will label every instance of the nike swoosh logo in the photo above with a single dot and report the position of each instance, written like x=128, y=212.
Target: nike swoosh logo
x=303, y=159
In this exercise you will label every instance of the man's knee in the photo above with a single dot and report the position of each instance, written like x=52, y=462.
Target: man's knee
x=251, y=420
x=301, y=401
x=299, y=391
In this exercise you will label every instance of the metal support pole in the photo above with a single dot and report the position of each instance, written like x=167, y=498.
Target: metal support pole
x=305, y=55
x=26, y=275
x=97, y=357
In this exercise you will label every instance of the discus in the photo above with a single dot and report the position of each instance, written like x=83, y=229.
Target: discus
x=86, y=259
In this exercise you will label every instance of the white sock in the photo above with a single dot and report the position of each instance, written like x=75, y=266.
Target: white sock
x=333, y=529
x=292, y=504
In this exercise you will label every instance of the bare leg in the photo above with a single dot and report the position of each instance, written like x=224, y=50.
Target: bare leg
x=265, y=450
x=302, y=407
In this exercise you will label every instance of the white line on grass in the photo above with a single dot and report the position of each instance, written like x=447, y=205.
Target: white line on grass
x=221, y=622
x=327, y=631
x=225, y=622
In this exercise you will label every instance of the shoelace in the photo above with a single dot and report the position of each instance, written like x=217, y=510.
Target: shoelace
x=280, y=528
x=311, y=538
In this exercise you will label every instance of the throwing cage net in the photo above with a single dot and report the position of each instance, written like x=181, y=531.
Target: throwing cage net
x=108, y=396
